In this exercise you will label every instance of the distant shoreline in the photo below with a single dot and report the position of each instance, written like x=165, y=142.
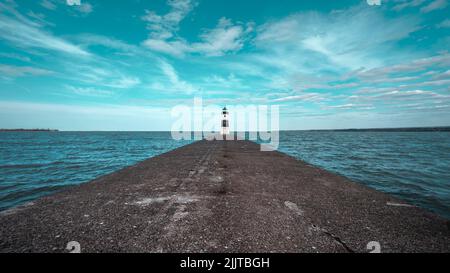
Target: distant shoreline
x=29, y=130
x=400, y=129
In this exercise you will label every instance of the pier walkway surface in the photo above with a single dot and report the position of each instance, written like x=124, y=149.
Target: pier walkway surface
x=221, y=196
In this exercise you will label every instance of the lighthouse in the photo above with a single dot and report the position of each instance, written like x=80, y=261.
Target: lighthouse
x=225, y=123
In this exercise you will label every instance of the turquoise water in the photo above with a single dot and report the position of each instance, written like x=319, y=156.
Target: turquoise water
x=33, y=164
x=414, y=166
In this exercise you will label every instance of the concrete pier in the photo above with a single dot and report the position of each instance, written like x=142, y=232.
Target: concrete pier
x=221, y=196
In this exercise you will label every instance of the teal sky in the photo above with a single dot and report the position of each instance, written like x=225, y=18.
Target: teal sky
x=122, y=65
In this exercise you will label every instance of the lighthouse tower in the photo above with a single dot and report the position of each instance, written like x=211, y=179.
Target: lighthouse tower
x=225, y=123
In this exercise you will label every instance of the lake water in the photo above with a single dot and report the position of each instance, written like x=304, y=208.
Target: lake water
x=414, y=166
x=33, y=164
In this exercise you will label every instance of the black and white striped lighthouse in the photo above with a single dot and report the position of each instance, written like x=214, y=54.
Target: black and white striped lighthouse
x=225, y=130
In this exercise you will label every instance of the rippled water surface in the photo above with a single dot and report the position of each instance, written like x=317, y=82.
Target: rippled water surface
x=414, y=166
x=33, y=164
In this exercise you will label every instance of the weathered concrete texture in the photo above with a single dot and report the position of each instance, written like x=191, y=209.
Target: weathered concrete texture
x=221, y=196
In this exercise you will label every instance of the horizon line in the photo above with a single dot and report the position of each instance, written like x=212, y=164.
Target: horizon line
x=283, y=130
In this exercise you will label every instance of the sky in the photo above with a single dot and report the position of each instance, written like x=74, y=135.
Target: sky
x=123, y=65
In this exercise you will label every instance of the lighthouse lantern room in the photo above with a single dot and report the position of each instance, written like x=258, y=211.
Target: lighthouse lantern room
x=225, y=122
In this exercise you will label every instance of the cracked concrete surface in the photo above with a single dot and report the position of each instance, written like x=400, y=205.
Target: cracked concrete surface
x=221, y=196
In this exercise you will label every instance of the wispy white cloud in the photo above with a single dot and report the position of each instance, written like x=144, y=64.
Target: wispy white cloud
x=398, y=96
x=89, y=91
x=77, y=5
x=407, y=4
x=85, y=8
x=306, y=97
x=349, y=106
x=23, y=32
x=102, y=109
x=173, y=81
x=430, y=83
x=48, y=4
x=176, y=48
x=435, y=5
x=163, y=26
x=79, y=117
x=123, y=82
x=15, y=56
x=420, y=73
x=225, y=37
x=441, y=75
x=40, y=18
x=229, y=81
x=312, y=50
x=350, y=38
x=444, y=24
x=99, y=75
x=93, y=39
x=20, y=71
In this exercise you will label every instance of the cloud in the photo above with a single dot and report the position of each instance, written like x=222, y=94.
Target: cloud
x=15, y=56
x=444, y=24
x=309, y=97
x=170, y=72
x=224, y=38
x=48, y=4
x=441, y=60
x=351, y=38
x=93, y=39
x=163, y=26
x=175, y=83
x=442, y=75
x=39, y=17
x=408, y=4
x=21, y=71
x=229, y=81
x=312, y=51
x=89, y=91
x=350, y=106
x=172, y=82
x=435, y=5
x=85, y=8
x=78, y=5
x=123, y=82
x=99, y=74
x=398, y=96
x=22, y=32
x=174, y=48
x=431, y=83
x=78, y=117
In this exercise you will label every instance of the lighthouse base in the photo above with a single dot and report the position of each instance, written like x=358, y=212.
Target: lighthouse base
x=225, y=131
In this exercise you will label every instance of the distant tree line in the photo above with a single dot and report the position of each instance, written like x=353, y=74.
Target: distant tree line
x=410, y=129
